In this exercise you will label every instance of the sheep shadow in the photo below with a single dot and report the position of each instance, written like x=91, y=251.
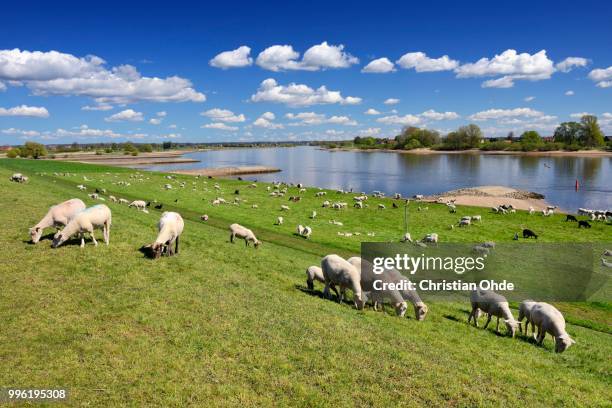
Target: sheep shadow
x=320, y=295
x=48, y=237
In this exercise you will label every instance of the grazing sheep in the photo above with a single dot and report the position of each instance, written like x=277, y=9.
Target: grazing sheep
x=464, y=222
x=525, y=313
x=237, y=230
x=93, y=196
x=494, y=305
x=300, y=229
x=570, y=217
x=606, y=263
x=81, y=187
x=338, y=271
x=123, y=201
x=254, y=206
x=476, y=218
x=279, y=221
x=550, y=320
x=481, y=250
x=432, y=238
x=320, y=194
x=326, y=204
x=307, y=232
x=58, y=216
x=112, y=198
x=406, y=238
x=607, y=252
x=531, y=210
x=19, y=178
x=98, y=216
x=204, y=217
x=381, y=206
x=139, y=204
x=527, y=233
x=358, y=205
x=584, y=224
x=170, y=228
x=284, y=208
x=315, y=273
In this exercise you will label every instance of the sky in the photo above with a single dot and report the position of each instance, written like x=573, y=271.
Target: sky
x=275, y=71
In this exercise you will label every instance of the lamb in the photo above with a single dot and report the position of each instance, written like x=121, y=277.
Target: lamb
x=112, y=198
x=494, y=305
x=81, y=187
x=531, y=210
x=19, y=178
x=570, y=217
x=549, y=320
x=433, y=238
x=338, y=271
x=300, y=229
x=525, y=313
x=170, y=228
x=58, y=215
x=307, y=232
x=476, y=218
x=85, y=221
x=123, y=201
x=315, y=273
x=204, y=217
x=313, y=215
x=464, y=222
x=279, y=221
x=406, y=238
x=237, y=230
x=358, y=205
x=326, y=204
x=527, y=233
x=284, y=208
x=139, y=204
x=381, y=206
x=584, y=224
x=320, y=194
x=606, y=263
x=93, y=196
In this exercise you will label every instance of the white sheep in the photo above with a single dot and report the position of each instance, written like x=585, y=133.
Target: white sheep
x=525, y=308
x=112, y=198
x=338, y=271
x=58, y=216
x=284, y=207
x=476, y=218
x=19, y=178
x=279, y=221
x=123, y=201
x=300, y=229
x=381, y=206
x=139, y=205
x=494, y=305
x=307, y=232
x=431, y=238
x=326, y=204
x=358, y=205
x=81, y=187
x=465, y=222
x=550, y=320
x=313, y=215
x=170, y=228
x=315, y=273
x=531, y=210
x=98, y=216
x=237, y=230
x=406, y=238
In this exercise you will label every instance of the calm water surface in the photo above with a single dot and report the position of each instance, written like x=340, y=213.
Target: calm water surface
x=409, y=174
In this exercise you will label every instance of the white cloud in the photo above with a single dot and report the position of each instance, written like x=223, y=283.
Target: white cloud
x=569, y=93
x=510, y=66
x=266, y=121
x=379, y=66
x=155, y=121
x=55, y=73
x=529, y=98
x=129, y=115
x=322, y=56
x=341, y=120
x=2, y=86
x=172, y=126
x=24, y=110
x=433, y=115
x=391, y=101
x=26, y=133
x=100, y=107
x=494, y=114
x=223, y=115
x=334, y=132
x=602, y=77
x=299, y=95
x=406, y=120
x=369, y=132
x=312, y=118
x=85, y=131
x=422, y=63
x=372, y=111
x=161, y=114
x=570, y=63
x=579, y=115
x=232, y=59
x=220, y=126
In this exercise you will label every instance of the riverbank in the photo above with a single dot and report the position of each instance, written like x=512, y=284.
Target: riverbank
x=427, y=151
x=124, y=160
x=492, y=196
x=228, y=171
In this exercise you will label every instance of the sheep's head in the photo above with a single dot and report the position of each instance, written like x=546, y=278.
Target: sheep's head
x=359, y=302
x=512, y=325
x=59, y=238
x=420, y=311
x=400, y=309
x=156, y=250
x=563, y=342
x=256, y=243
x=35, y=234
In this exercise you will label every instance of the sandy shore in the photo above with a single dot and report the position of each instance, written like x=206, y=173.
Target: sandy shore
x=228, y=171
x=426, y=151
x=123, y=160
x=492, y=196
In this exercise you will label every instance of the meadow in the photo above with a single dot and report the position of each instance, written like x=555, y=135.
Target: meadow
x=230, y=325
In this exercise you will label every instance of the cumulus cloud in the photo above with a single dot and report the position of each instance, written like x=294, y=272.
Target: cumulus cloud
x=510, y=66
x=406, y=120
x=100, y=107
x=161, y=114
x=379, y=66
x=237, y=58
x=494, y=114
x=312, y=118
x=422, y=63
x=529, y=98
x=56, y=73
x=155, y=121
x=579, y=115
x=21, y=132
x=570, y=63
x=391, y=101
x=223, y=115
x=220, y=126
x=24, y=110
x=433, y=115
x=322, y=56
x=602, y=77
x=369, y=132
x=127, y=115
x=569, y=93
x=372, y=111
x=299, y=95
x=2, y=87
x=85, y=131
x=266, y=121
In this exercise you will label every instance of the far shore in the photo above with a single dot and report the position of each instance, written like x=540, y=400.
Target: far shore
x=227, y=171
x=491, y=196
x=427, y=151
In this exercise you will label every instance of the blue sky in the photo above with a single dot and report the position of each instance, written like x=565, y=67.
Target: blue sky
x=281, y=71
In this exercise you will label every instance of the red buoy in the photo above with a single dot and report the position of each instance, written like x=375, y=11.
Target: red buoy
x=577, y=185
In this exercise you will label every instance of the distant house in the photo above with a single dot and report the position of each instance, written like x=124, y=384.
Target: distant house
x=5, y=148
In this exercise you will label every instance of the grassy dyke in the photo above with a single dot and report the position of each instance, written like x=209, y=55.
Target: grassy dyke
x=223, y=324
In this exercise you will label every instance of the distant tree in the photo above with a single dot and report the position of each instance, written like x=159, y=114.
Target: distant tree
x=33, y=150
x=591, y=134
x=466, y=137
x=167, y=145
x=510, y=136
x=13, y=153
x=568, y=133
x=530, y=140
x=425, y=137
x=146, y=148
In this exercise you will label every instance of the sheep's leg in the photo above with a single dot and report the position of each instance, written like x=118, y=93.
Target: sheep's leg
x=488, y=320
x=470, y=316
x=232, y=236
x=333, y=287
x=326, y=290
x=497, y=327
x=176, y=245
x=82, y=240
x=91, y=234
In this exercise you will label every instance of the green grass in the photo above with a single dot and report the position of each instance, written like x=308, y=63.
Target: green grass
x=223, y=324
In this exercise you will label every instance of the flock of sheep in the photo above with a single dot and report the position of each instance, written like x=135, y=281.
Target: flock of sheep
x=334, y=271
